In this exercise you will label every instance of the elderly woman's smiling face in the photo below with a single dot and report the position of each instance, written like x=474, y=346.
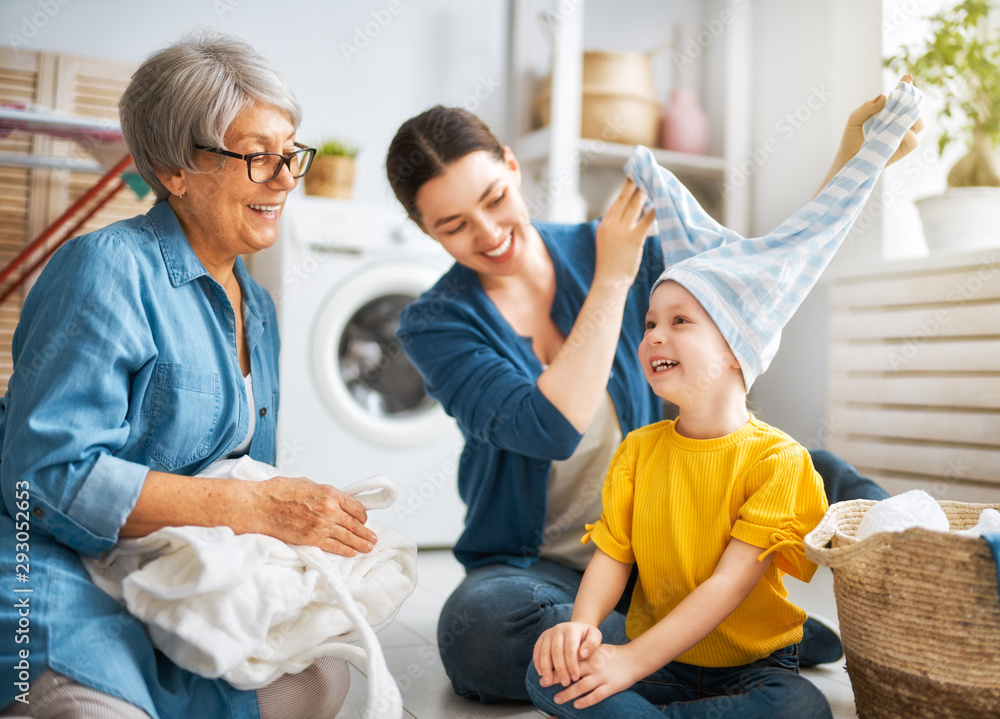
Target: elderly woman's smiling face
x=222, y=212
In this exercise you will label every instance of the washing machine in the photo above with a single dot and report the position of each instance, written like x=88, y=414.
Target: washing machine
x=352, y=404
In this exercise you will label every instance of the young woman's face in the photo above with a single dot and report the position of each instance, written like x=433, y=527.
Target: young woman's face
x=682, y=352
x=475, y=210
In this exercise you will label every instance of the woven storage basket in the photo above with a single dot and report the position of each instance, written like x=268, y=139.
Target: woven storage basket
x=619, y=99
x=331, y=176
x=919, y=614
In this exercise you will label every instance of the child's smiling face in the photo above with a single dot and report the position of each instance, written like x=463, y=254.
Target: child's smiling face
x=683, y=354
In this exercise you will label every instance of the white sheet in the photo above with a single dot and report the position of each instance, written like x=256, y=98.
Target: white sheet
x=249, y=608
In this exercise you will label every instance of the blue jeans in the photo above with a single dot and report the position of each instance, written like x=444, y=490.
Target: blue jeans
x=488, y=627
x=767, y=689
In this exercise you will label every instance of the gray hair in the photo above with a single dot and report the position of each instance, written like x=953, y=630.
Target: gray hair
x=188, y=94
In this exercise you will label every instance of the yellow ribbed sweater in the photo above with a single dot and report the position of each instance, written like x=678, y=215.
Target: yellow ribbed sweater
x=671, y=504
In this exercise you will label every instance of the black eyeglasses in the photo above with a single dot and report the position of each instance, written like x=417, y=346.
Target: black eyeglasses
x=263, y=167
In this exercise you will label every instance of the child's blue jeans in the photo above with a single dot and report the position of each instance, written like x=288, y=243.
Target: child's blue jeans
x=767, y=689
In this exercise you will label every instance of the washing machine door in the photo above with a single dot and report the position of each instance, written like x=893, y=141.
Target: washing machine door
x=362, y=374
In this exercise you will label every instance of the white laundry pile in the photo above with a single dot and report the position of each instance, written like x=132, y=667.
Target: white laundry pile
x=989, y=523
x=249, y=607
x=916, y=508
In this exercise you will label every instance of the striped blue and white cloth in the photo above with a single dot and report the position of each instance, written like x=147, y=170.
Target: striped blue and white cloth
x=751, y=286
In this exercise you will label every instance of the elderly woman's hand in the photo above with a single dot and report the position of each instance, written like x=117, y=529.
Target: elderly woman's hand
x=298, y=510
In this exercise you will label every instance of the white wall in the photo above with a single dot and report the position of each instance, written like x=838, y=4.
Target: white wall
x=423, y=52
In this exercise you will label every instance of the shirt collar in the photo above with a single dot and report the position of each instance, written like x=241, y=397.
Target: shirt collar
x=182, y=263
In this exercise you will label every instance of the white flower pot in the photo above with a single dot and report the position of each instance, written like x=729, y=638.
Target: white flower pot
x=961, y=218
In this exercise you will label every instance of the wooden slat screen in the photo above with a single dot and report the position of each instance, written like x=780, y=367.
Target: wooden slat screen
x=914, y=386
x=30, y=199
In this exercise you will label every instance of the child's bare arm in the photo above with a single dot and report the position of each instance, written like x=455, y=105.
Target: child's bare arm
x=559, y=650
x=735, y=576
x=613, y=669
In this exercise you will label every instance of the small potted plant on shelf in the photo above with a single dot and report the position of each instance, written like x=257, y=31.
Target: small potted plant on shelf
x=961, y=59
x=332, y=171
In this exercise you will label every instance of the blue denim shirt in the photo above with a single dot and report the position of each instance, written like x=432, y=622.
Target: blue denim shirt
x=485, y=375
x=124, y=361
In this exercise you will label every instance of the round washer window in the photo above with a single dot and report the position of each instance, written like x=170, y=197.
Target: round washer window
x=361, y=372
x=372, y=363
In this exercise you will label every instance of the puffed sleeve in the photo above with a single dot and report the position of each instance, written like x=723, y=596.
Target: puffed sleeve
x=785, y=501
x=492, y=399
x=82, y=336
x=613, y=531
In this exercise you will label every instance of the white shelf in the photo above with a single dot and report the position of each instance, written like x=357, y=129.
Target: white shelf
x=562, y=166
x=534, y=148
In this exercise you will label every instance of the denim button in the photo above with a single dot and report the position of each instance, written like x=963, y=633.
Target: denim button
x=38, y=512
x=263, y=411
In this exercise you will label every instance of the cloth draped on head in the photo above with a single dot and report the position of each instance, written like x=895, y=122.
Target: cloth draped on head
x=750, y=287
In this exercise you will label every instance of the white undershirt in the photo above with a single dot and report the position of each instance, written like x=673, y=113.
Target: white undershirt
x=244, y=446
x=574, y=493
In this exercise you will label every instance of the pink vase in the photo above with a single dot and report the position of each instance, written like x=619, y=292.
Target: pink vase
x=684, y=126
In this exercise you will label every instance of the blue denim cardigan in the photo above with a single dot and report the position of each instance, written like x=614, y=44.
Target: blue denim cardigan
x=124, y=361
x=485, y=376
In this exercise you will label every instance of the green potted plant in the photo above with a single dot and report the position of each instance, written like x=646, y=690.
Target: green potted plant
x=961, y=60
x=332, y=171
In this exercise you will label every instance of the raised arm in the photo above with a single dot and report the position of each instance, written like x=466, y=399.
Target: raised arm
x=853, y=136
x=576, y=379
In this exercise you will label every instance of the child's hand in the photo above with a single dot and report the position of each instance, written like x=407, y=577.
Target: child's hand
x=854, y=135
x=610, y=669
x=559, y=650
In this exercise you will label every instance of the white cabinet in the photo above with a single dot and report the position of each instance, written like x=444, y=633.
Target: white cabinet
x=568, y=178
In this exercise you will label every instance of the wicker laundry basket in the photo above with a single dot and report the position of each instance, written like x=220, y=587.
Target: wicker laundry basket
x=919, y=614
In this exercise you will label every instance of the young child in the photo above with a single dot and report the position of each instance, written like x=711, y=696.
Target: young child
x=711, y=507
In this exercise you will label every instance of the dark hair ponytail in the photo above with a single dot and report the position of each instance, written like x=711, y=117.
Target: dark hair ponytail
x=426, y=144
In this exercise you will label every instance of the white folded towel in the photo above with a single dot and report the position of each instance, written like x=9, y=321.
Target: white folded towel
x=915, y=508
x=249, y=607
x=989, y=523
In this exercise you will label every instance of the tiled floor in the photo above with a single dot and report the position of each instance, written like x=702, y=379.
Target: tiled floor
x=411, y=653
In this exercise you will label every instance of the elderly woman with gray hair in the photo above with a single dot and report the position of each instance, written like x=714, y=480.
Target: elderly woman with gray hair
x=144, y=353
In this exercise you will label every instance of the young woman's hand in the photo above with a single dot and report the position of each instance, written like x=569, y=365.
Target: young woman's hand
x=609, y=670
x=559, y=650
x=621, y=236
